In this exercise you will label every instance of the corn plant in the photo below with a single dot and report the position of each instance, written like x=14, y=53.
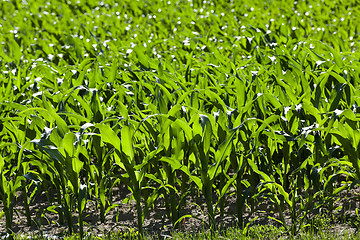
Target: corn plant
x=181, y=102
x=10, y=184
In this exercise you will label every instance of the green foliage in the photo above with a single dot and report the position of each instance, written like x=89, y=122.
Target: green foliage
x=178, y=100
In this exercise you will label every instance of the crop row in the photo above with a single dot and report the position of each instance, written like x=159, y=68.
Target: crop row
x=266, y=111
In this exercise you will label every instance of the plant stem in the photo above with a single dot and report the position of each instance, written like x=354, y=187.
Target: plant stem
x=8, y=216
x=239, y=201
x=26, y=206
x=139, y=217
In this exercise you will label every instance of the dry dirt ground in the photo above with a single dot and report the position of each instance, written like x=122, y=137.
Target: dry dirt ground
x=123, y=217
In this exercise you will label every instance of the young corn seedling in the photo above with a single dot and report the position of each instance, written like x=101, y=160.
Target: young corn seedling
x=10, y=182
x=73, y=166
x=124, y=157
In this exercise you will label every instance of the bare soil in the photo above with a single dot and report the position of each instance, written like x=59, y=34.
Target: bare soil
x=123, y=217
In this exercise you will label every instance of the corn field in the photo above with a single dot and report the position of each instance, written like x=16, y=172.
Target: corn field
x=171, y=99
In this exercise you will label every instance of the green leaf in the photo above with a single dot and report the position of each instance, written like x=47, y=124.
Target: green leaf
x=143, y=59
x=127, y=142
x=240, y=93
x=109, y=136
x=2, y=163
x=77, y=165
x=83, y=192
x=44, y=72
x=68, y=143
x=48, y=147
x=61, y=125
x=176, y=165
